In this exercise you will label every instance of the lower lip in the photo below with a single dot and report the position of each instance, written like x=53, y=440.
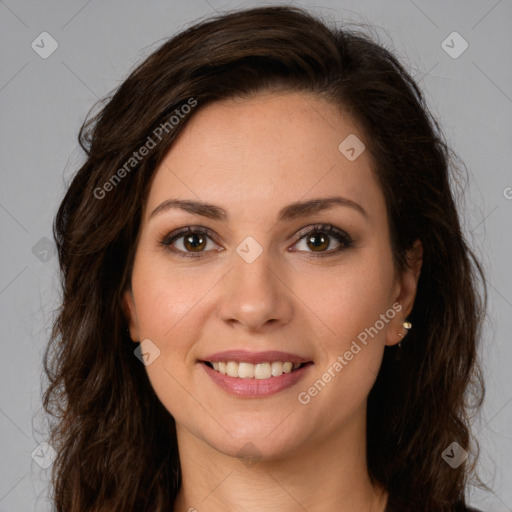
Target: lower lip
x=255, y=388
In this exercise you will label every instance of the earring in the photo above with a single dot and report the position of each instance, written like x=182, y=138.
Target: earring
x=406, y=326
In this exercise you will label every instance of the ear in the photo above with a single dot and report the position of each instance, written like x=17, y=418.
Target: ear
x=130, y=313
x=407, y=287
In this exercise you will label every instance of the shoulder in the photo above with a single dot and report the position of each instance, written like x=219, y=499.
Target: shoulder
x=471, y=509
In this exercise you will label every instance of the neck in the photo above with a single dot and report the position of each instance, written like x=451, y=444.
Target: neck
x=328, y=475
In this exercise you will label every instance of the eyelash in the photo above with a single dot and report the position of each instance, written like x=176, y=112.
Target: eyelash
x=343, y=238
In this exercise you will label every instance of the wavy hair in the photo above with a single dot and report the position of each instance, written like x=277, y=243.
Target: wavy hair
x=115, y=441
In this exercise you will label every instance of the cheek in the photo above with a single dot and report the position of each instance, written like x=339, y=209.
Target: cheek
x=168, y=309
x=168, y=318
x=354, y=308
x=165, y=296
x=352, y=297
x=351, y=352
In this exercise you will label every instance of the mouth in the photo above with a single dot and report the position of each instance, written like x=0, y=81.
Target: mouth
x=245, y=374
x=258, y=371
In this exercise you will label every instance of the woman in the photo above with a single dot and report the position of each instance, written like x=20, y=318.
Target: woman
x=265, y=210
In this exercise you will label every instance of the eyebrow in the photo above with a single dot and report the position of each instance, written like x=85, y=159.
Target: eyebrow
x=288, y=213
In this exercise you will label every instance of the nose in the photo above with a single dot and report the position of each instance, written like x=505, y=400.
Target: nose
x=255, y=297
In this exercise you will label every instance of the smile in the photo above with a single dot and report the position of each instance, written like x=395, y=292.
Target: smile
x=245, y=370
x=256, y=380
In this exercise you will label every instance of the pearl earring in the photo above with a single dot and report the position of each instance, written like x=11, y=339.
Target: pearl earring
x=406, y=326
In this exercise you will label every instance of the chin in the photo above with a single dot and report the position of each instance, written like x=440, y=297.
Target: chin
x=255, y=442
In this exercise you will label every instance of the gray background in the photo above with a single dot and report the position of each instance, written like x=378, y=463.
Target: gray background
x=43, y=103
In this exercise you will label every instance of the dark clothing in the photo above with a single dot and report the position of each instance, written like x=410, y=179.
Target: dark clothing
x=390, y=508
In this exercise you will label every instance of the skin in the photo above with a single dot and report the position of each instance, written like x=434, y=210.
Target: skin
x=252, y=157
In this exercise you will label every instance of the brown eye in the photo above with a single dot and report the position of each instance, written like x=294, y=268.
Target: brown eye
x=322, y=236
x=189, y=242
x=194, y=242
x=318, y=241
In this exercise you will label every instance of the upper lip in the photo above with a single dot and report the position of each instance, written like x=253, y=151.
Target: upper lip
x=255, y=357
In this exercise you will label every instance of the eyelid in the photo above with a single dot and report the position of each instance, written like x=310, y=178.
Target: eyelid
x=341, y=236
x=173, y=235
x=168, y=240
x=321, y=226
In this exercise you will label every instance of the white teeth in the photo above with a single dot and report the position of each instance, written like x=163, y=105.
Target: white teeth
x=245, y=371
x=254, y=371
x=232, y=369
x=277, y=368
x=262, y=371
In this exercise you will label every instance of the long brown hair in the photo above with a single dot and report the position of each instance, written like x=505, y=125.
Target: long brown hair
x=116, y=443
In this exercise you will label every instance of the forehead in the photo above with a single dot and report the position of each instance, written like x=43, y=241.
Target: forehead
x=263, y=151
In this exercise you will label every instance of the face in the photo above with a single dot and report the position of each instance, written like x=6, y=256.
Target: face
x=316, y=284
